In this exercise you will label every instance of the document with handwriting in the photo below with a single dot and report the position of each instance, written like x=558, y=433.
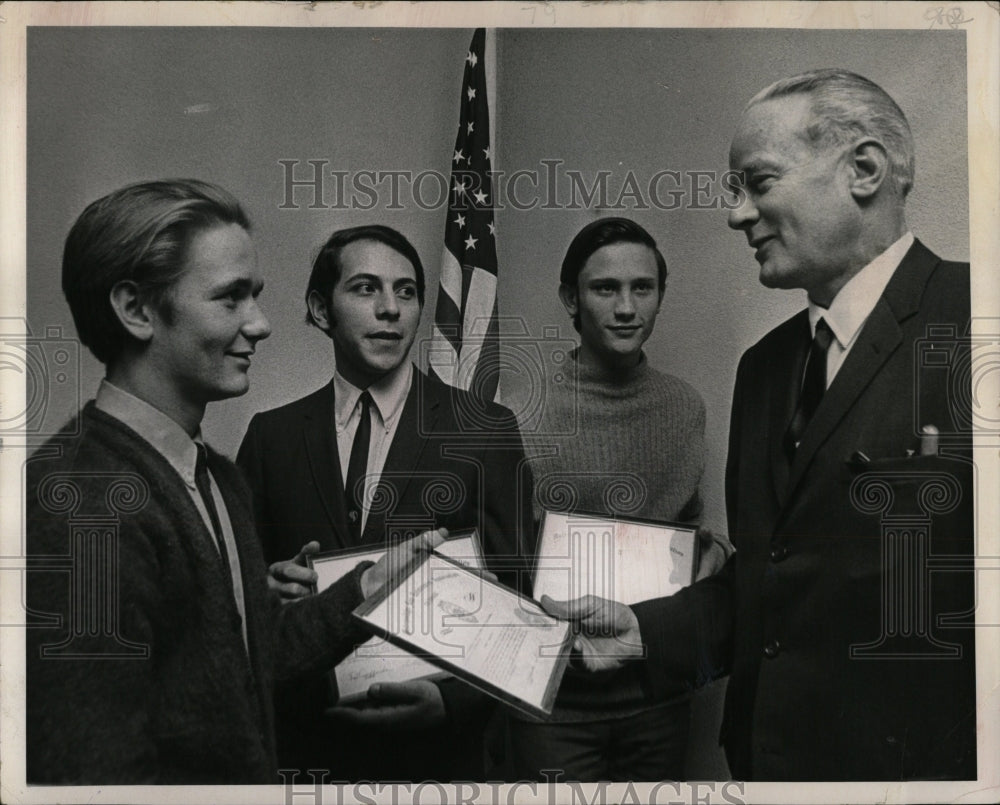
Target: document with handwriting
x=622, y=560
x=377, y=660
x=479, y=630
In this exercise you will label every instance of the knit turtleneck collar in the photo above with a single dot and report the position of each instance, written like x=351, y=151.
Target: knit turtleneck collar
x=617, y=377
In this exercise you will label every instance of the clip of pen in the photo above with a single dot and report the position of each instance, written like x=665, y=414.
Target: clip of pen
x=929, y=440
x=859, y=460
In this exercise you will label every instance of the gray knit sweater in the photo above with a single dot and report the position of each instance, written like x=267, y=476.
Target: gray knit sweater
x=628, y=443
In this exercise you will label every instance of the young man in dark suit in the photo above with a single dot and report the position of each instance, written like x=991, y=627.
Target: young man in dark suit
x=379, y=451
x=157, y=641
x=849, y=474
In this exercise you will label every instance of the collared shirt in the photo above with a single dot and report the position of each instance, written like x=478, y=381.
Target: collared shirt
x=388, y=396
x=171, y=441
x=852, y=306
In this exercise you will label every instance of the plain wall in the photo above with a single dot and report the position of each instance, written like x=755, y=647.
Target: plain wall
x=107, y=107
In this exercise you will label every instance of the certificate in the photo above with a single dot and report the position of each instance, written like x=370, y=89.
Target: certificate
x=625, y=560
x=377, y=660
x=479, y=630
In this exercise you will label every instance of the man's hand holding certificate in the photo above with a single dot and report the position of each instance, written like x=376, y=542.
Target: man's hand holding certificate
x=410, y=705
x=460, y=620
x=397, y=559
x=295, y=578
x=590, y=568
x=607, y=632
x=623, y=559
x=370, y=677
x=442, y=612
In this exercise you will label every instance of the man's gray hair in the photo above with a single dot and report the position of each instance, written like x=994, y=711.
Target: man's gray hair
x=846, y=106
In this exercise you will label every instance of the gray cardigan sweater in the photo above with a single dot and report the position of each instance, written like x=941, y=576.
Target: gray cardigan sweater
x=142, y=675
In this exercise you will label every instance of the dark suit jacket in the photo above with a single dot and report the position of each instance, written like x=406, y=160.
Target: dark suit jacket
x=142, y=676
x=453, y=463
x=845, y=660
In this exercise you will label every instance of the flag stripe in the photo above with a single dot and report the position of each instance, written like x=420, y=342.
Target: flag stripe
x=451, y=281
x=485, y=379
x=443, y=357
x=449, y=320
x=479, y=305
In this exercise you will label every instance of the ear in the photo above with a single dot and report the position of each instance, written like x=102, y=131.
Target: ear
x=131, y=311
x=319, y=311
x=568, y=295
x=869, y=167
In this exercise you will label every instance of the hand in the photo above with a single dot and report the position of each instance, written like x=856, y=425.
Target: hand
x=607, y=631
x=396, y=705
x=713, y=552
x=397, y=558
x=291, y=578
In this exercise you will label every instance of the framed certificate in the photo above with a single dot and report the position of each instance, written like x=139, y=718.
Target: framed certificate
x=625, y=560
x=377, y=660
x=476, y=629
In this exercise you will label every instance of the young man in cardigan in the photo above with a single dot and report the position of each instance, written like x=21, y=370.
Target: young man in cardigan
x=152, y=659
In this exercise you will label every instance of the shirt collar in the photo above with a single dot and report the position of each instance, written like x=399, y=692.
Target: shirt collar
x=168, y=438
x=856, y=300
x=388, y=393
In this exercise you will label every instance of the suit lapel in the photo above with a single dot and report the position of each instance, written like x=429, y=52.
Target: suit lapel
x=880, y=336
x=320, y=435
x=416, y=421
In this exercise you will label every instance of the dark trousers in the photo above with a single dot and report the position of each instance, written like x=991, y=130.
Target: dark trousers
x=309, y=740
x=648, y=746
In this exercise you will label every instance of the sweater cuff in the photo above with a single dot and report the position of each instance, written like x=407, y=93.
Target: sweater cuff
x=357, y=573
x=343, y=597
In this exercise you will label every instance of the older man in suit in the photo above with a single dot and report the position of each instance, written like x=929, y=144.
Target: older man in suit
x=380, y=451
x=849, y=657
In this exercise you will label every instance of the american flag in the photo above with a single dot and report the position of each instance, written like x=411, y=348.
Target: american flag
x=465, y=344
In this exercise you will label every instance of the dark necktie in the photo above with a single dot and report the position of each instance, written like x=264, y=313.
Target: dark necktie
x=357, y=467
x=201, y=480
x=813, y=387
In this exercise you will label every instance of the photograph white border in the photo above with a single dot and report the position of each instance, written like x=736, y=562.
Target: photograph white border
x=981, y=21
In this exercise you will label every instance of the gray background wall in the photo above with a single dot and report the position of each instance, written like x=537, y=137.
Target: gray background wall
x=110, y=106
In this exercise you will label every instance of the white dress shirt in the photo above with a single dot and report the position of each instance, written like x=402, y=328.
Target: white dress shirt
x=852, y=306
x=388, y=397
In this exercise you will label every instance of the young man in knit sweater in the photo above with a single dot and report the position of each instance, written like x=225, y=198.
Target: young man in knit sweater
x=157, y=641
x=624, y=439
